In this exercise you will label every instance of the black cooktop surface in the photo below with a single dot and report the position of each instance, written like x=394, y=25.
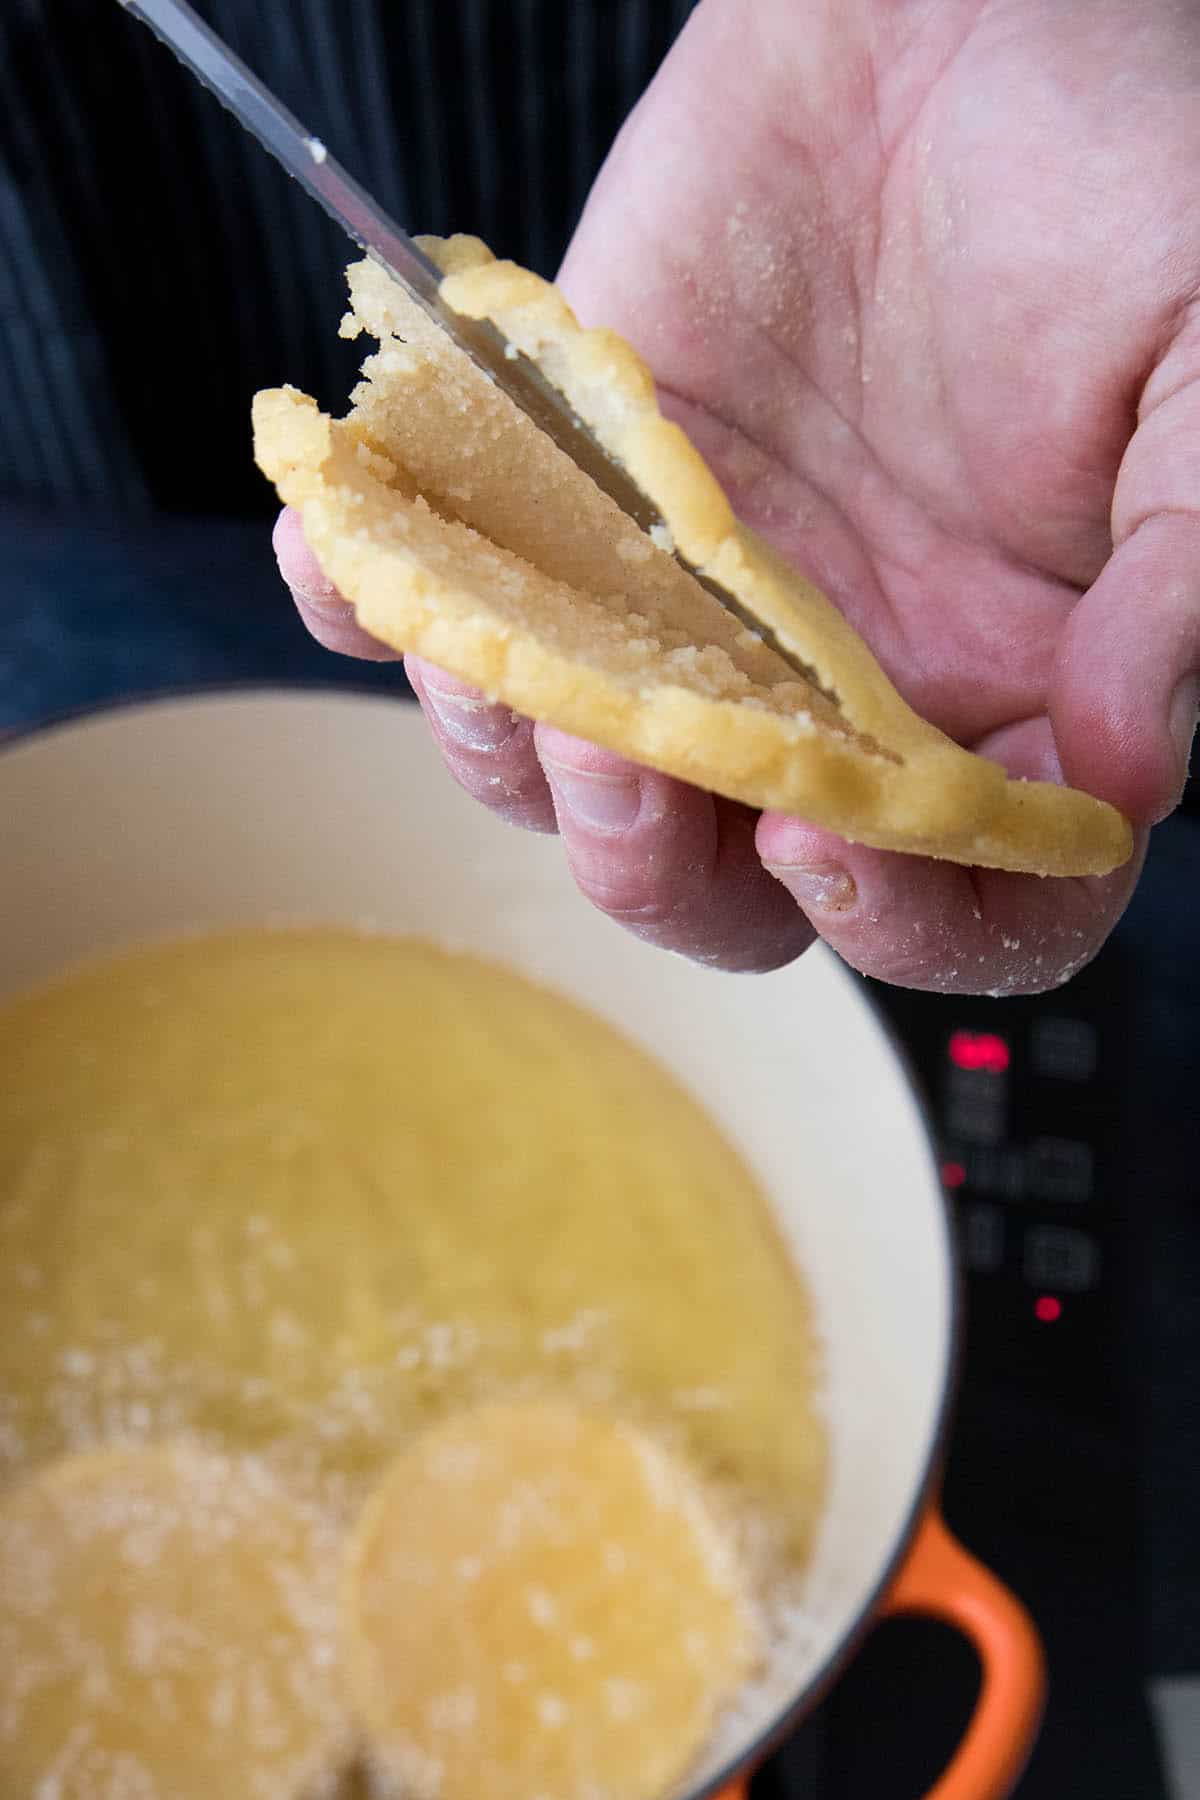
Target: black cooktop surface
x=1069, y=1155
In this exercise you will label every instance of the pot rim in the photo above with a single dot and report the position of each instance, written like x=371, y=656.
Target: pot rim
x=823, y=1678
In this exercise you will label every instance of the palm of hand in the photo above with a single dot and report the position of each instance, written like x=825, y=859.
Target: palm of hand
x=916, y=274
x=910, y=272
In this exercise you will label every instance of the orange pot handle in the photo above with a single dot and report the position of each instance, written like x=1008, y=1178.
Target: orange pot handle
x=942, y=1581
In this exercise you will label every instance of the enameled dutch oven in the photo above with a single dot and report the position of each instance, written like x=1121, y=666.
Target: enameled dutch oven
x=209, y=810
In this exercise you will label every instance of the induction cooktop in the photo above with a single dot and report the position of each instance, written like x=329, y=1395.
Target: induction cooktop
x=1069, y=1160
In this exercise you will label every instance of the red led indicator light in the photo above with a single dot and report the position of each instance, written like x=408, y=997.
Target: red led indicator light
x=979, y=1050
x=953, y=1174
x=1047, y=1308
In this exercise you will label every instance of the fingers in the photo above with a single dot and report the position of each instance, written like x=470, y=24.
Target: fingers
x=937, y=927
x=1127, y=678
x=670, y=863
x=328, y=617
x=667, y=861
x=685, y=871
x=932, y=925
x=488, y=749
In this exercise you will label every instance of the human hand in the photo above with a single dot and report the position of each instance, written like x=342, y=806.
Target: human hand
x=923, y=285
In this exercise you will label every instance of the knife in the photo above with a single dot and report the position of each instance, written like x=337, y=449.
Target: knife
x=306, y=158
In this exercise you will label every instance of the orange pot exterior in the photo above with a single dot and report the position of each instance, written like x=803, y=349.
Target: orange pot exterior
x=940, y=1580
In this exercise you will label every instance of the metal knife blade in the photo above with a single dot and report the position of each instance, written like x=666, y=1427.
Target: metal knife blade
x=307, y=159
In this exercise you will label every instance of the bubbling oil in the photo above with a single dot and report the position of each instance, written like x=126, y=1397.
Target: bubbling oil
x=303, y=1192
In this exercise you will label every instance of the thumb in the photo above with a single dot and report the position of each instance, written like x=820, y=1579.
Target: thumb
x=1126, y=686
x=1126, y=682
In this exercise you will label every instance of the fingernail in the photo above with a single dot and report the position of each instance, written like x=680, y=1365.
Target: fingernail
x=822, y=890
x=1185, y=703
x=471, y=721
x=607, y=804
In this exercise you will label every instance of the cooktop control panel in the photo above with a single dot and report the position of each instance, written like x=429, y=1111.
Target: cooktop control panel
x=1026, y=1102
x=1026, y=1098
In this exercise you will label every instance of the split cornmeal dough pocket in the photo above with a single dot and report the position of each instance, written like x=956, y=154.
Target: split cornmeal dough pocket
x=461, y=532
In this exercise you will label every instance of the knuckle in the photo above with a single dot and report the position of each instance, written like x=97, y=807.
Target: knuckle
x=517, y=795
x=630, y=896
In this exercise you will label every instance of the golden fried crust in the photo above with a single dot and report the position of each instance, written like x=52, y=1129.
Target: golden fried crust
x=168, y=1625
x=541, y=1602
x=459, y=531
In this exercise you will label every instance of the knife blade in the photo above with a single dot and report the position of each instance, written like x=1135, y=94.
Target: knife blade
x=307, y=159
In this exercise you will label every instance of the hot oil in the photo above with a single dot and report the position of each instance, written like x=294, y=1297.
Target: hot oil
x=304, y=1191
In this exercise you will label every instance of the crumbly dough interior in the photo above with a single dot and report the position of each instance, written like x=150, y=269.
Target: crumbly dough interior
x=574, y=570
x=431, y=413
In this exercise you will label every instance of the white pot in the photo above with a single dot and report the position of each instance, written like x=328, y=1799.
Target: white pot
x=244, y=806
